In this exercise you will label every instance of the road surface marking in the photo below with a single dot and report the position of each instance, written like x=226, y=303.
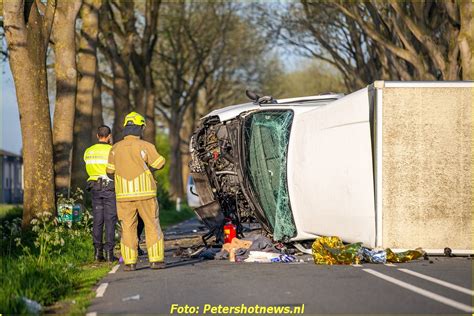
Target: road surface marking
x=92, y=314
x=390, y=265
x=440, y=282
x=428, y=294
x=114, y=269
x=357, y=265
x=101, y=289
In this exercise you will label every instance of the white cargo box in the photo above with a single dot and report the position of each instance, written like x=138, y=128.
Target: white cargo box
x=392, y=166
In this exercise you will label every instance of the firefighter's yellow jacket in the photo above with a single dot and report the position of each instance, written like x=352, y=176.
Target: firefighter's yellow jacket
x=129, y=160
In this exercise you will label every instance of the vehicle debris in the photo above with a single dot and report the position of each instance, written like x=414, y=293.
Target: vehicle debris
x=33, y=307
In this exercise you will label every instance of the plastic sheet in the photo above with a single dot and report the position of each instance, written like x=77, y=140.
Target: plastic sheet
x=331, y=250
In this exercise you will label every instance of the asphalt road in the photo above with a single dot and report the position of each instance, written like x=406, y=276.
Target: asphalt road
x=365, y=289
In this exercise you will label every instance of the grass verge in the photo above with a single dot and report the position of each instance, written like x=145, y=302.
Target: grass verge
x=169, y=217
x=51, y=262
x=10, y=211
x=77, y=302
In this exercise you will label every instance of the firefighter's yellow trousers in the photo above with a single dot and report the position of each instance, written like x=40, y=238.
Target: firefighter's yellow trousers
x=127, y=215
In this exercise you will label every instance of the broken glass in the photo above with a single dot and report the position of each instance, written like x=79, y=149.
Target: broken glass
x=266, y=138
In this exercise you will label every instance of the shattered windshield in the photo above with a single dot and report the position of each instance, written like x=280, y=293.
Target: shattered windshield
x=266, y=138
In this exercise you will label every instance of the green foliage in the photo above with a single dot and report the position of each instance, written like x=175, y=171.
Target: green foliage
x=169, y=216
x=45, y=263
x=9, y=211
x=162, y=176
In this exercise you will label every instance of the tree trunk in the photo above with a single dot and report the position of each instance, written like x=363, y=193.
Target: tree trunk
x=465, y=40
x=176, y=177
x=27, y=43
x=150, y=130
x=121, y=101
x=87, y=67
x=63, y=34
x=97, y=117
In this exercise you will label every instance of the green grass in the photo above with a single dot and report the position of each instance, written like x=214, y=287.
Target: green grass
x=78, y=301
x=10, y=211
x=170, y=217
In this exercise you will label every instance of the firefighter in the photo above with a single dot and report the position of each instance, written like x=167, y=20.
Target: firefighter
x=104, y=208
x=132, y=161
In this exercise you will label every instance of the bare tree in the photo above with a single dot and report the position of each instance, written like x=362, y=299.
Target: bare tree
x=28, y=28
x=424, y=33
x=63, y=36
x=142, y=64
x=200, y=52
x=97, y=110
x=370, y=40
x=117, y=35
x=87, y=68
x=129, y=45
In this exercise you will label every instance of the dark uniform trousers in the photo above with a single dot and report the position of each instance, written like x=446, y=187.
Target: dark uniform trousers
x=104, y=212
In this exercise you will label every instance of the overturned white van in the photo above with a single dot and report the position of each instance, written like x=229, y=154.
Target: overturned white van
x=389, y=166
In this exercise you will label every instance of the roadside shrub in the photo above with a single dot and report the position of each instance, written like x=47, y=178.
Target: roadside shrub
x=42, y=263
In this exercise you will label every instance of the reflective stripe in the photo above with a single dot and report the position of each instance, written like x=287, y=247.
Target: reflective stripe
x=156, y=253
x=97, y=161
x=135, y=194
x=140, y=186
x=158, y=163
x=129, y=255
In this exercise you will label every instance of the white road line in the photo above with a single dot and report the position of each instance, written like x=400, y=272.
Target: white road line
x=101, y=289
x=440, y=282
x=114, y=269
x=390, y=265
x=428, y=294
x=357, y=265
x=92, y=314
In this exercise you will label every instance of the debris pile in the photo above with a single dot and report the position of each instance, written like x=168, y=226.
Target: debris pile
x=258, y=248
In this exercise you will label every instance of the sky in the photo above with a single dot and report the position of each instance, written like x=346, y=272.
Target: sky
x=10, y=133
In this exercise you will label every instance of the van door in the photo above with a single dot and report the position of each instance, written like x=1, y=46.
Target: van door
x=330, y=171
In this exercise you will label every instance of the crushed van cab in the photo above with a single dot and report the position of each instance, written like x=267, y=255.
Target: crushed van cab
x=241, y=164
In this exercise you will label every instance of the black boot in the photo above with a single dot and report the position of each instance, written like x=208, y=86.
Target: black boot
x=157, y=265
x=109, y=256
x=99, y=255
x=130, y=267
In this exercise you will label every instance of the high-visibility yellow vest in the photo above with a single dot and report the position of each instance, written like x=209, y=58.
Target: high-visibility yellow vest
x=96, y=158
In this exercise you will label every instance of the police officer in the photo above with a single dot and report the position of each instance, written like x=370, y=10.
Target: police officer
x=132, y=161
x=103, y=195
